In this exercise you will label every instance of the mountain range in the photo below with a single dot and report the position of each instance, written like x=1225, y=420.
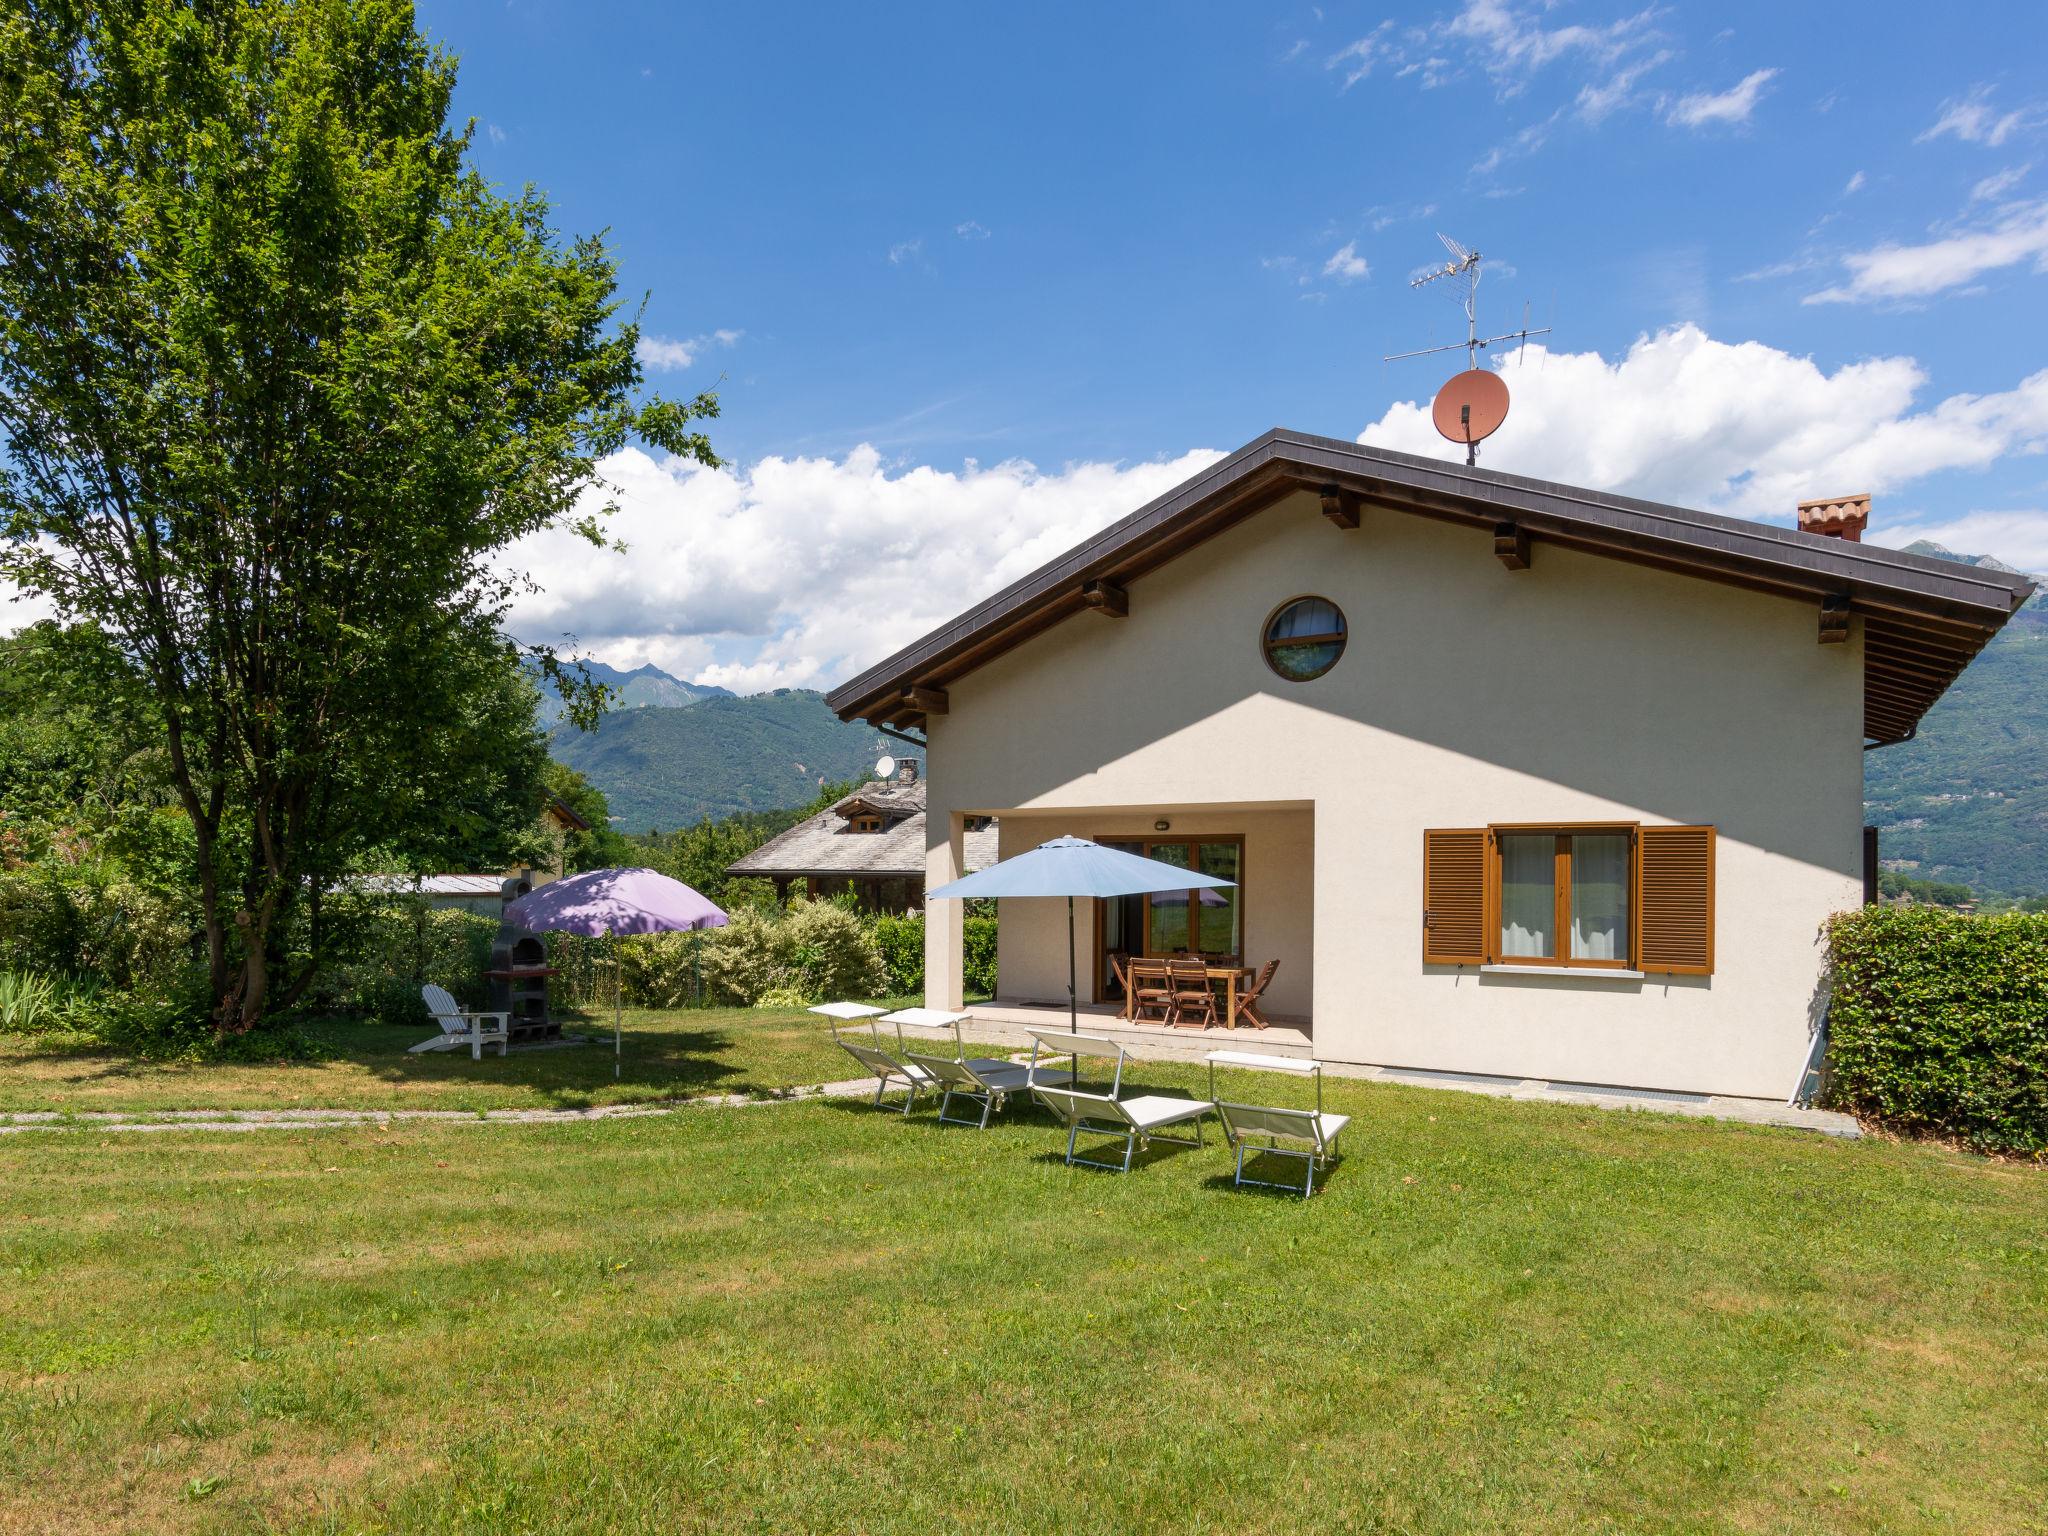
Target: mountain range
x=645, y=687
x=663, y=766
x=1965, y=801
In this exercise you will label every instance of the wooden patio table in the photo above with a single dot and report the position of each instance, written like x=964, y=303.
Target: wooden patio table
x=1229, y=975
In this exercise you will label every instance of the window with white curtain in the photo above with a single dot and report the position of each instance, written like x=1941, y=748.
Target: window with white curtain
x=1563, y=895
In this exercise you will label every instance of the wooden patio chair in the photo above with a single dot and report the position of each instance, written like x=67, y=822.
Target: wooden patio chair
x=1150, y=989
x=1248, y=999
x=1194, y=1000
x=1120, y=968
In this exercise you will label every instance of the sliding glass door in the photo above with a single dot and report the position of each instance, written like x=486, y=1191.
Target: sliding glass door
x=1209, y=923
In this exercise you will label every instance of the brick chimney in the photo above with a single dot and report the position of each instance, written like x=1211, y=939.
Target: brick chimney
x=906, y=770
x=1838, y=517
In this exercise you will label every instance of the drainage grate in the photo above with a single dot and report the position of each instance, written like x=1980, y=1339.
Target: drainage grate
x=1431, y=1075
x=1605, y=1090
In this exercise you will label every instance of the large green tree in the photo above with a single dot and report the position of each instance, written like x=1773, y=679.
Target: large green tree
x=280, y=379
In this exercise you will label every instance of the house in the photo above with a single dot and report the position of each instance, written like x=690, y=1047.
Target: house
x=873, y=842
x=484, y=894
x=1517, y=779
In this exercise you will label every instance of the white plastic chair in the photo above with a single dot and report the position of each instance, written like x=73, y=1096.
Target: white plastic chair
x=460, y=1028
x=1309, y=1134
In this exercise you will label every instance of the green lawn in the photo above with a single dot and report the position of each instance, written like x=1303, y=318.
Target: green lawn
x=665, y=1055
x=815, y=1316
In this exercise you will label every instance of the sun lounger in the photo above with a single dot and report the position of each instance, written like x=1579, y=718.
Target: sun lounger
x=983, y=1080
x=1308, y=1134
x=1051, y=1044
x=460, y=1028
x=885, y=1068
x=1139, y=1120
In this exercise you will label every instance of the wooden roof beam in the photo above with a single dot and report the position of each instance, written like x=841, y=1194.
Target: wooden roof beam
x=1339, y=506
x=1511, y=545
x=1107, y=598
x=1834, y=620
x=925, y=701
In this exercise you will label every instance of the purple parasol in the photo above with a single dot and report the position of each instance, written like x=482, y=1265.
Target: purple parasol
x=610, y=902
x=614, y=901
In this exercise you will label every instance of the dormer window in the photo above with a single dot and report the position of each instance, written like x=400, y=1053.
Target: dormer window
x=865, y=822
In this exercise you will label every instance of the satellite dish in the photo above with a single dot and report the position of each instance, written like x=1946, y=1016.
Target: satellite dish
x=1471, y=406
x=886, y=768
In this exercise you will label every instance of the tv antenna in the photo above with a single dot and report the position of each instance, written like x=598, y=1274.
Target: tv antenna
x=1475, y=403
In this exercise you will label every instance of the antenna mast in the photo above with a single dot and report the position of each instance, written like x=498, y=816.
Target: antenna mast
x=1462, y=272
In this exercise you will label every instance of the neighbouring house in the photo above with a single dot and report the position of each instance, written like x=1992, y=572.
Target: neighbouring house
x=1517, y=779
x=872, y=843
x=484, y=893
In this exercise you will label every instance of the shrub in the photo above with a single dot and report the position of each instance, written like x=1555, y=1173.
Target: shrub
x=659, y=970
x=387, y=950
x=901, y=941
x=979, y=962
x=814, y=950
x=76, y=920
x=1938, y=1024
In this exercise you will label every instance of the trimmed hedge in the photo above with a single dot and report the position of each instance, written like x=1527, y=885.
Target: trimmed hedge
x=1938, y=1024
x=902, y=944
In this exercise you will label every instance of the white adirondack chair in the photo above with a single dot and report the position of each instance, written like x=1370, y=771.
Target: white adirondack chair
x=459, y=1028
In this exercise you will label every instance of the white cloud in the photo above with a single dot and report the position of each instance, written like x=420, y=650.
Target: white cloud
x=671, y=354
x=906, y=250
x=18, y=611
x=1996, y=185
x=1385, y=215
x=1525, y=142
x=972, y=229
x=1856, y=184
x=798, y=572
x=1618, y=90
x=1346, y=265
x=1905, y=273
x=1734, y=427
x=1511, y=42
x=1974, y=120
x=2018, y=537
x=1705, y=108
x=497, y=134
x=1358, y=58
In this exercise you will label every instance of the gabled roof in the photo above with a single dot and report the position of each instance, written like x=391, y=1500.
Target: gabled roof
x=1924, y=618
x=821, y=845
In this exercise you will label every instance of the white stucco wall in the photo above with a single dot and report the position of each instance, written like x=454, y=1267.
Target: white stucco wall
x=1582, y=689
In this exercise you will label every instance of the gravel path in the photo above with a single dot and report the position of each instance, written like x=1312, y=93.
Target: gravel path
x=316, y=1119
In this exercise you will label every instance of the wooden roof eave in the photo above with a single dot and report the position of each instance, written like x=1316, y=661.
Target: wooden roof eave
x=1940, y=611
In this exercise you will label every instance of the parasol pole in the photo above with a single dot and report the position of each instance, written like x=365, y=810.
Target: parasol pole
x=1073, y=1005
x=618, y=1006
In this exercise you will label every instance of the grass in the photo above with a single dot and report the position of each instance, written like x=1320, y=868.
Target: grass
x=664, y=1055
x=812, y=1316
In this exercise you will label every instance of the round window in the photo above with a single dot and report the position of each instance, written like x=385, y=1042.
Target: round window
x=1304, y=638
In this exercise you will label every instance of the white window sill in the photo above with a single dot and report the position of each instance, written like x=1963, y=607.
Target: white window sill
x=1576, y=972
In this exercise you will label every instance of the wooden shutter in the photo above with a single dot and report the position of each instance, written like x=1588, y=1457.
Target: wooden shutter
x=1454, y=896
x=1675, y=900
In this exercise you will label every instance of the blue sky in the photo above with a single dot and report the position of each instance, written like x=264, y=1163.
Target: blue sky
x=1000, y=249
x=973, y=281
x=1125, y=178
